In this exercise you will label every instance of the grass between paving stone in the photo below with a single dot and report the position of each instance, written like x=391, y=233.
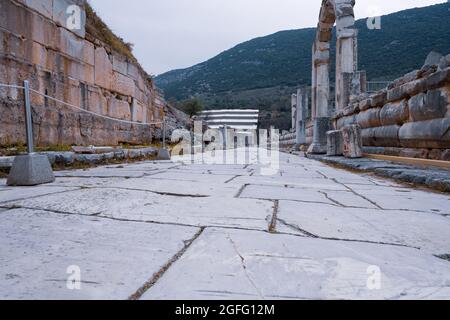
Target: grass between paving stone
x=85, y=166
x=444, y=257
x=14, y=150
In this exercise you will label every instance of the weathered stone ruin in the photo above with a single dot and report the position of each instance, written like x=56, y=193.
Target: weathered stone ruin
x=77, y=66
x=410, y=118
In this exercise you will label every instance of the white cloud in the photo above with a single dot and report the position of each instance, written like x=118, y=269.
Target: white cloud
x=172, y=34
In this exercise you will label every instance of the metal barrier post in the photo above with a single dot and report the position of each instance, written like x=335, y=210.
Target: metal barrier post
x=163, y=153
x=28, y=119
x=164, y=132
x=30, y=169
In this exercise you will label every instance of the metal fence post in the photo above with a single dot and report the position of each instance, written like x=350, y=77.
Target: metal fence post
x=28, y=119
x=164, y=132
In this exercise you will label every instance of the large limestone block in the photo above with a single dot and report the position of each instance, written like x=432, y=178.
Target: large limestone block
x=426, y=134
x=96, y=101
x=378, y=99
x=433, y=59
x=445, y=62
x=123, y=84
x=369, y=118
x=88, y=53
x=431, y=105
x=120, y=64
x=119, y=109
x=352, y=141
x=394, y=113
x=407, y=90
x=411, y=76
x=132, y=70
x=61, y=15
x=137, y=111
x=44, y=7
x=346, y=121
x=70, y=44
x=103, y=69
x=438, y=79
x=36, y=53
x=43, y=31
x=381, y=136
x=335, y=143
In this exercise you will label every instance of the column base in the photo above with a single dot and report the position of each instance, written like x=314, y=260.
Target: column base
x=317, y=149
x=321, y=127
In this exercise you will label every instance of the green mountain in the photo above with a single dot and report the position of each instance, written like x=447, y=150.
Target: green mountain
x=263, y=72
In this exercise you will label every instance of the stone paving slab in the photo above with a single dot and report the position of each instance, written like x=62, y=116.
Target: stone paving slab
x=415, y=200
x=101, y=173
x=426, y=231
x=85, y=182
x=214, y=169
x=342, y=198
x=115, y=258
x=322, y=184
x=195, y=177
x=257, y=265
x=185, y=188
x=151, y=207
x=16, y=193
x=321, y=246
x=283, y=193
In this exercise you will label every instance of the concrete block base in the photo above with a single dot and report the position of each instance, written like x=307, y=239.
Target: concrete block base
x=321, y=127
x=30, y=170
x=163, y=154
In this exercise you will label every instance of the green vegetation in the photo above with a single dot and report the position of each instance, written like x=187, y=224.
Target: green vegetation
x=97, y=29
x=192, y=107
x=263, y=72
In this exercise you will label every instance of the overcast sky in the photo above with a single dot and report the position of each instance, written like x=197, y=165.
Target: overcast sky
x=172, y=34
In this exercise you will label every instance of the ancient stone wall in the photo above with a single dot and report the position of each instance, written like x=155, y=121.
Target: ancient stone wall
x=36, y=44
x=410, y=118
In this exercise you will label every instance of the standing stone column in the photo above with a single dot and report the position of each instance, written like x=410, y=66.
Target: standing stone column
x=294, y=108
x=321, y=118
x=302, y=106
x=346, y=59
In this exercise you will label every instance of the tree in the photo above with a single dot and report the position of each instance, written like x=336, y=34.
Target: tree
x=192, y=107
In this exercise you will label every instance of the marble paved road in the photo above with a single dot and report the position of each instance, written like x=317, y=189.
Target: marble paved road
x=166, y=230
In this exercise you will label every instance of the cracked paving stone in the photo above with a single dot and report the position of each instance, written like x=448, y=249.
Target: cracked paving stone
x=414, y=229
x=85, y=182
x=282, y=193
x=115, y=258
x=103, y=172
x=415, y=200
x=258, y=265
x=320, y=184
x=16, y=193
x=341, y=198
x=152, y=207
x=194, y=177
x=214, y=170
x=186, y=187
